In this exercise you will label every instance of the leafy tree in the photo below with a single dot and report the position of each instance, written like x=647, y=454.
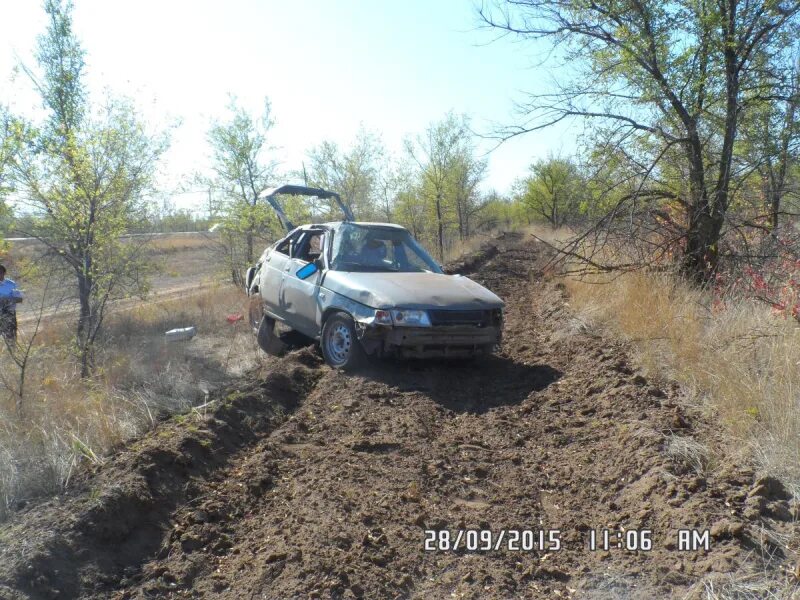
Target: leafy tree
x=553, y=191
x=466, y=174
x=438, y=153
x=411, y=210
x=668, y=82
x=83, y=174
x=771, y=140
x=243, y=170
x=8, y=145
x=354, y=173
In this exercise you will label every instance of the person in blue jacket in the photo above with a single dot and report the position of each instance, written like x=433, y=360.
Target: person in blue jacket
x=10, y=296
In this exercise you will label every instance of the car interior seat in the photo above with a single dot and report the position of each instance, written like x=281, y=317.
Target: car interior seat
x=373, y=252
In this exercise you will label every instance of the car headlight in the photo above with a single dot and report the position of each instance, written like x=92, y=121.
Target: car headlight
x=403, y=317
x=410, y=318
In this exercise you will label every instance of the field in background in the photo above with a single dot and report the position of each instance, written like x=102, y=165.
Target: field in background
x=180, y=263
x=742, y=362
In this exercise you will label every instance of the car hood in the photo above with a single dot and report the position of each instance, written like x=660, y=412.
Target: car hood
x=411, y=290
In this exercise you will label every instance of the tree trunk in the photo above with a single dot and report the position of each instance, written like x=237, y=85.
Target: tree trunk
x=84, y=323
x=461, y=210
x=706, y=214
x=440, y=226
x=87, y=360
x=702, y=235
x=249, y=249
x=774, y=210
x=701, y=254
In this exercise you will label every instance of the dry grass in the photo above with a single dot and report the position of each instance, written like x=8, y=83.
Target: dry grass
x=742, y=361
x=140, y=378
x=753, y=586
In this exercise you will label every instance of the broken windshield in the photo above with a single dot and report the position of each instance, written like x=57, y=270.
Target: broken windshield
x=376, y=249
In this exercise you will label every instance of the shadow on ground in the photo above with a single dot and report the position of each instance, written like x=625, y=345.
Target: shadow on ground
x=465, y=386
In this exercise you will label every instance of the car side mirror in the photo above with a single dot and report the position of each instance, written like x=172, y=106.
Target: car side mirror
x=307, y=271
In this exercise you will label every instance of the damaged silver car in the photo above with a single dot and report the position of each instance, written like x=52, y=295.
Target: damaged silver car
x=363, y=289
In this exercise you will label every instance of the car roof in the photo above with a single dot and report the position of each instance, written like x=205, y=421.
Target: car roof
x=337, y=224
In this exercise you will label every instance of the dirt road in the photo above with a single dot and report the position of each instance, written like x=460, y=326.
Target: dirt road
x=182, y=264
x=305, y=482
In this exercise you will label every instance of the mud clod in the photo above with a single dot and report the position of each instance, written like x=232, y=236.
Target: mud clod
x=771, y=488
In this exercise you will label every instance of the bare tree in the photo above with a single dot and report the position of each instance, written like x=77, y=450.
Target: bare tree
x=21, y=350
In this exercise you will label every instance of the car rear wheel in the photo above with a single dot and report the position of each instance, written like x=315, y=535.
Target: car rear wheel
x=340, y=346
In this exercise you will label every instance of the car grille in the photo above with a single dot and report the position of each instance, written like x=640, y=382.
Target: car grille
x=479, y=318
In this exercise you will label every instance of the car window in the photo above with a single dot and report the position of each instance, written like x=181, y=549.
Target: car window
x=368, y=248
x=285, y=247
x=309, y=248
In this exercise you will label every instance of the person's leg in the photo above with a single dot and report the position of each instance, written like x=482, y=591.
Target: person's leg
x=8, y=326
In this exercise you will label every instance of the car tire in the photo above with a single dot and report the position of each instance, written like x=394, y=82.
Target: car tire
x=266, y=338
x=341, y=348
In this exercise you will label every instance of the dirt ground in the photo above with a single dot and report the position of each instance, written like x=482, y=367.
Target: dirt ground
x=300, y=481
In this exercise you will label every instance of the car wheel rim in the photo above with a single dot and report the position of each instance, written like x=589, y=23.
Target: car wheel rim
x=339, y=342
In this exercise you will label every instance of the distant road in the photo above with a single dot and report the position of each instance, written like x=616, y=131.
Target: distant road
x=156, y=296
x=184, y=262
x=127, y=235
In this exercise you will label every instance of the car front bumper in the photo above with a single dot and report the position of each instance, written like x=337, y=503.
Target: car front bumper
x=423, y=342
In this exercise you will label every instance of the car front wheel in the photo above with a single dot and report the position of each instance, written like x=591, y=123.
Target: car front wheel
x=340, y=346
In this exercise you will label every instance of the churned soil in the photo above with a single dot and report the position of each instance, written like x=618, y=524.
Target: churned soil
x=301, y=481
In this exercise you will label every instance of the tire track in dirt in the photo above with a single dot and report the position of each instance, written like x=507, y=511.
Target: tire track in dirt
x=555, y=432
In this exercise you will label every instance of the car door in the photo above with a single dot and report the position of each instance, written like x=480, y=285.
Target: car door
x=272, y=273
x=299, y=301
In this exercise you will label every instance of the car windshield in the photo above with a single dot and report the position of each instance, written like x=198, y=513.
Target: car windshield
x=376, y=249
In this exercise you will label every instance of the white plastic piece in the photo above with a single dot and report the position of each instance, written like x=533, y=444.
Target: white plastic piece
x=180, y=335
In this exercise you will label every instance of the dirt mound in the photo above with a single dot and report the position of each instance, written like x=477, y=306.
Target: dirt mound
x=312, y=483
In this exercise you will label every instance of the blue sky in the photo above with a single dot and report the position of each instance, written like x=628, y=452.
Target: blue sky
x=327, y=67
